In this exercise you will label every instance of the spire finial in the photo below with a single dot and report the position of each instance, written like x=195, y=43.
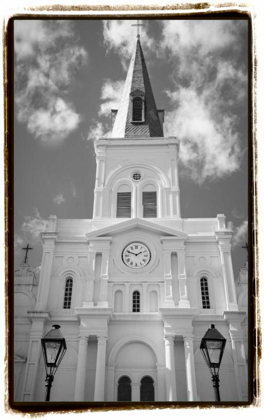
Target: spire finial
x=138, y=25
x=26, y=249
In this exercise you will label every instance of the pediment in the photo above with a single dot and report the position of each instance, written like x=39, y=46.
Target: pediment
x=137, y=224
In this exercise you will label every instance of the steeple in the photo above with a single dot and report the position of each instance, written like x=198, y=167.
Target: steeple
x=137, y=115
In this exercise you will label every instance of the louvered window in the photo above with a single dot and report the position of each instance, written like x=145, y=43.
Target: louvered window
x=137, y=109
x=149, y=199
x=205, y=293
x=67, y=294
x=123, y=204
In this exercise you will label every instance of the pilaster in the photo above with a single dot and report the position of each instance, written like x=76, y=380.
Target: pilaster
x=34, y=354
x=49, y=240
x=99, y=389
x=81, y=369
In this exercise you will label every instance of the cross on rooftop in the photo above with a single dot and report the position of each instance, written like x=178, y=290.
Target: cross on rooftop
x=26, y=249
x=138, y=25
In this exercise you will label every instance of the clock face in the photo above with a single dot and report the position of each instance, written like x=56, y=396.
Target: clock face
x=136, y=255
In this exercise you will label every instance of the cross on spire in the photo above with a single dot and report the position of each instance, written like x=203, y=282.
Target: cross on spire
x=138, y=25
x=26, y=249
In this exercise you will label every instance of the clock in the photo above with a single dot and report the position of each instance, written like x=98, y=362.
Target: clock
x=136, y=255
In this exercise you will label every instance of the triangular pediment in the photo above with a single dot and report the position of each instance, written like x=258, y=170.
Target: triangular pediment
x=137, y=224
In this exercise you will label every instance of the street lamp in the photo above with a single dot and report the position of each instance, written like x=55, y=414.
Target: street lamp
x=212, y=347
x=54, y=348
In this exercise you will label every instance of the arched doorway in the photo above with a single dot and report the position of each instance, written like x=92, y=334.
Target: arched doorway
x=147, y=389
x=124, y=389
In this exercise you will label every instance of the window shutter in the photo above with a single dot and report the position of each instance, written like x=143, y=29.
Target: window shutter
x=123, y=204
x=149, y=204
x=137, y=109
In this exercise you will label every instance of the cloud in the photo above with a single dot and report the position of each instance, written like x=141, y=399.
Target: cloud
x=47, y=60
x=240, y=233
x=97, y=130
x=58, y=199
x=111, y=93
x=18, y=244
x=120, y=36
x=208, y=85
x=33, y=226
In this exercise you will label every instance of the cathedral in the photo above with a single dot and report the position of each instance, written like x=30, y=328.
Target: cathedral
x=135, y=288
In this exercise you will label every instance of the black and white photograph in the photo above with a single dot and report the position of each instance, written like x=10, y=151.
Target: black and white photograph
x=131, y=210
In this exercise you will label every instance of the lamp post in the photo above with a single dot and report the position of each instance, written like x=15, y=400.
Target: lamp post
x=53, y=347
x=212, y=347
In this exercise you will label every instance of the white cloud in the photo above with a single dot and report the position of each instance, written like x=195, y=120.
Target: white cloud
x=97, y=130
x=47, y=58
x=111, y=93
x=240, y=233
x=33, y=226
x=58, y=199
x=207, y=83
x=18, y=244
x=120, y=36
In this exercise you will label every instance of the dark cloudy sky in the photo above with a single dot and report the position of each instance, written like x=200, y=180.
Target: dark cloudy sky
x=70, y=73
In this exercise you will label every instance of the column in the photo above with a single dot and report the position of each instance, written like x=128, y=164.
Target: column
x=127, y=298
x=183, y=295
x=100, y=369
x=49, y=239
x=81, y=369
x=144, y=298
x=190, y=369
x=135, y=390
x=171, y=394
x=169, y=303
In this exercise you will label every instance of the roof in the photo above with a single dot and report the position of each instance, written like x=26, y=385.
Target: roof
x=137, y=84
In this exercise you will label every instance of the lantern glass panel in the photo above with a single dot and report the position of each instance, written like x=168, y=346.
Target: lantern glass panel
x=52, y=352
x=214, y=351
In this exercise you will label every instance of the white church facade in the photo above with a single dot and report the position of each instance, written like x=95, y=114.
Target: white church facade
x=135, y=288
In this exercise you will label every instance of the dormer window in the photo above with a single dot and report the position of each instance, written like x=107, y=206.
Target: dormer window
x=137, y=109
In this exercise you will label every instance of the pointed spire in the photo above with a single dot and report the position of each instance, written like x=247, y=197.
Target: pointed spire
x=137, y=85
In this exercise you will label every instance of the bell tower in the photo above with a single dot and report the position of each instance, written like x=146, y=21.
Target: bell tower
x=137, y=167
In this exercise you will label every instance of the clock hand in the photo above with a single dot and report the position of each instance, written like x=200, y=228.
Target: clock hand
x=131, y=252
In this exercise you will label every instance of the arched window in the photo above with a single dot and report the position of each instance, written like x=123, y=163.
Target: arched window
x=118, y=301
x=124, y=389
x=68, y=293
x=136, y=302
x=205, y=293
x=149, y=201
x=147, y=389
x=123, y=205
x=138, y=110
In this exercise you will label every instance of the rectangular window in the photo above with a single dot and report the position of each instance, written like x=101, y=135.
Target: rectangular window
x=149, y=204
x=123, y=204
x=136, y=302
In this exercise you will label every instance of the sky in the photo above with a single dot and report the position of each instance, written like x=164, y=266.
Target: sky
x=69, y=74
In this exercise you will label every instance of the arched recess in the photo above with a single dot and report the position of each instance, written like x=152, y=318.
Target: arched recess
x=110, y=180
x=136, y=338
x=75, y=271
x=66, y=274
x=153, y=301
x=150, y=185
x=118, y=301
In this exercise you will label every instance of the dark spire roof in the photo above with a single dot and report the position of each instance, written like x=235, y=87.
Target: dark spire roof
x=137, y=84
